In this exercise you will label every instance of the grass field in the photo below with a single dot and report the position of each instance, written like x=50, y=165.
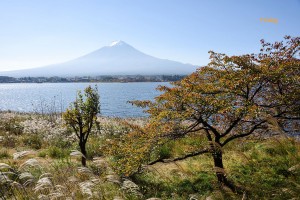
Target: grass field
x=39, y=160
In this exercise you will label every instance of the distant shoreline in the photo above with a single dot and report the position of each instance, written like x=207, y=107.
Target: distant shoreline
x=94, y=79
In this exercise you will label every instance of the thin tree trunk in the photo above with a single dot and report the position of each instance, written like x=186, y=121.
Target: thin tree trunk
x=220, y=172
x=218, y=163
x=83, y=151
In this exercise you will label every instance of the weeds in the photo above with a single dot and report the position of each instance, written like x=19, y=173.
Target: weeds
x=56, y=152
x=4, y=154
x=9, y=141
x=33, y=140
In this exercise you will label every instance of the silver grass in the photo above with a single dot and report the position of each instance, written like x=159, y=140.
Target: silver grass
x=113, y=179
x=109, y=170
x=16, y=185
x=49, y=175
x=22, y=154
x=8, y=173
x=97, y=194
x=191, y=197
x=100, y=162
x=30, y=163
x=29, y=182
x=76, y=153
x=43, y=197
x=27, y=178
x=131, y=187
x=86, y=188
x=56, y=195
x=209, y=198
x=84, y=170
x=4, y=166
x=4, y=179
x=118, y=198
x=43, y=184
x=60, y=188
x=95, y=180
x=73, y=179
x=294, y=168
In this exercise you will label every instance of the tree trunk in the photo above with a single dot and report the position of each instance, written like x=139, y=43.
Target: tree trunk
x=220, y=172
x=83, y=151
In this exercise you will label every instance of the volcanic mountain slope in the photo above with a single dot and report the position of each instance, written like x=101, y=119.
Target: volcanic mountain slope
x=119, y=58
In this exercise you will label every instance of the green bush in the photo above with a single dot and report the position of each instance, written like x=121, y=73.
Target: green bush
x=165, y=151
x=93, y=147
x=4, y=154
x=56, y=152
x=42, y=153
x=12, y=126
x=33, y=140
x=61, y=143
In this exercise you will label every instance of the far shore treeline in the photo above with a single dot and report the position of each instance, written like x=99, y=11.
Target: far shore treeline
x=103, y=78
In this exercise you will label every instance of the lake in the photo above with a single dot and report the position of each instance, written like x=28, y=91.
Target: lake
x=49, y=97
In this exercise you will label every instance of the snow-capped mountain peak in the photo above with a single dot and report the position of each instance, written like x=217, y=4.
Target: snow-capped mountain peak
x=117, y=43
x=119, y=58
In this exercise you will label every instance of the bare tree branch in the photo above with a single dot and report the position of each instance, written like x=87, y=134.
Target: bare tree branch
x=255, y=127
x=195, y=153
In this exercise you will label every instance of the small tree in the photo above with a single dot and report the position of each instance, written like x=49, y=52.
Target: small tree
x=82, y=115
x=231, y=98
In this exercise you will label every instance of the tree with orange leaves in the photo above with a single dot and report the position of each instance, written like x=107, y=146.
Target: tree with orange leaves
x=232, y=97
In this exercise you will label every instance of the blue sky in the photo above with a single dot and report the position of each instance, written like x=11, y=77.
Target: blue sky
x=35, y=33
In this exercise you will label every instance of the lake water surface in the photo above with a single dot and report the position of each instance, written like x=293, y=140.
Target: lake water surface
x=48, y=97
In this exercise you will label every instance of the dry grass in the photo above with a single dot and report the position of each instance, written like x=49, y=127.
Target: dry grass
x=57, y=174
x=268, y=169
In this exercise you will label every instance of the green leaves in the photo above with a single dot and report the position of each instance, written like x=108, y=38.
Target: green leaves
x=230, y=98
x=82, y=115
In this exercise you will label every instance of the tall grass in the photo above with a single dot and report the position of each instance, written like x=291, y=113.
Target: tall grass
x=36, y=163
x=266, y=169
x=40, y=162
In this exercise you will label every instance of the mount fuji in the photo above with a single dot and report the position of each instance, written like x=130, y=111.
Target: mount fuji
x=119, y=58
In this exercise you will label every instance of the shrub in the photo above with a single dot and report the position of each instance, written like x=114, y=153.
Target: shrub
x=93, y=147
x=165, y=151
x=4, y=154
x=33, y=140
x=55, y=152
x=42, y=153
x=9, y=141
x=12, y=125
x=61, y=143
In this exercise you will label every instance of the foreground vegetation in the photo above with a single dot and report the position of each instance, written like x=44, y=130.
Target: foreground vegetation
x=227, y=131
x=232, y=98
x=39, y=161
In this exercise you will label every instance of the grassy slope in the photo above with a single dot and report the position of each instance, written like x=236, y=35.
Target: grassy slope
x=267, y=169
